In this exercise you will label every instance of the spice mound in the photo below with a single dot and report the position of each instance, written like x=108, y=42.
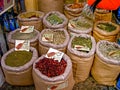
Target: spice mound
x=51, y=67
x=76, y=6
x=110, y=51
x=54, y=19
x=55, y=37
x=82, y=44
x=18, y=58
x=81, y=23
x=23, y=36
x=106, y=27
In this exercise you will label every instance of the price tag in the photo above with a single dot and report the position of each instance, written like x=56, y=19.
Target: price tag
x=47, y=37
x=26, y=29
x=22, y=45
x=81, y=48
x=54, y=54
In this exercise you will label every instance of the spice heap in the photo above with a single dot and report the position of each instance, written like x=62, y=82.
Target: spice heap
x=51, y=67
x=56, y=37
x=54, y=19
x=18, y=58
x=23, y=36
x=76, y=6
x=110, y=51
x=81, y=23
x=82, y=44
x=106, y=26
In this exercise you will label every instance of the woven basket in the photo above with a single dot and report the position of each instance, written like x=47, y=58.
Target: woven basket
x=101, y=16
x=100, y=34
x=105, y=70
x=33, y=41
x=21, y=75
x=63, y=82
x=82, y=62
x=44, y=46
x=51, y=5
x=24, y=19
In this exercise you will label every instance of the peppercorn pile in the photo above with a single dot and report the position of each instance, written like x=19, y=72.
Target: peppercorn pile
x=51, y=67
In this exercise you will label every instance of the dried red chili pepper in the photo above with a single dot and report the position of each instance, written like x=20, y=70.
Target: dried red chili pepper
x=51, y=67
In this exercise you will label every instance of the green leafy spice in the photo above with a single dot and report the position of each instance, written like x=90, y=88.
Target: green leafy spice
x=54, y=19
x=18, y=58
x=106, y=26
x=86, y=42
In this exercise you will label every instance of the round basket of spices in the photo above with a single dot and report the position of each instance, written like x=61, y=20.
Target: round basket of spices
x=80, y=25
x=53, y=38
x=50, y=5
x=73, y=10
x=54, y=20
x=17, y=66
x=50, y=74
x=33, y=18
x=102, y=15
x=81, y=49
x=105, y=30
x=106, y=66
x=17, y=35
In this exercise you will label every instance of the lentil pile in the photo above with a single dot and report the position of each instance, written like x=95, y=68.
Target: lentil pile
x=58, y=36
x=18, y=58
x=51, y=67
x=110, y=51
x=23, y=36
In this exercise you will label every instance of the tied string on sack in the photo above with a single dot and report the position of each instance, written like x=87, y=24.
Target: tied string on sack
x=88, y=11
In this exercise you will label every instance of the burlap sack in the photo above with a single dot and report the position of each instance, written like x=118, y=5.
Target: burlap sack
x=47, y=24
x=100, y=34
x=44, y=46
x=33, y=41
x=104, y=70
x=22, y=75
x=73, y=30
x=101, y=16
x=72, y=13
x=82, y=62
x=51, y=5
x=63, y=82
x=24, y=20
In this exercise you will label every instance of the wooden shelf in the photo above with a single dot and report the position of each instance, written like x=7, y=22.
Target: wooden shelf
x=7, y=6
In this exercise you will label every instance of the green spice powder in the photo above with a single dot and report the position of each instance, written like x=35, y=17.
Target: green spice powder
x=18, y=58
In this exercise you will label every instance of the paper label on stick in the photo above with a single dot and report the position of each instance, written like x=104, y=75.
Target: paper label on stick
x=26, y=29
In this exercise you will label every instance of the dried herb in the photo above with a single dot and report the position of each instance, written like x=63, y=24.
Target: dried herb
x=106, y=26
x=23, y=36
x=58, y=36
x=54, y=19
x=18, y=58
x=51, y=67
x=110, y=51
x=82, y=41
x=81, y=23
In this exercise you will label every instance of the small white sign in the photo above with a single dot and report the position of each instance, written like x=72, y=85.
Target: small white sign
x=47, y=37
x=54, y=54
x=22, y=45
x=81, y=48
x=26, y=29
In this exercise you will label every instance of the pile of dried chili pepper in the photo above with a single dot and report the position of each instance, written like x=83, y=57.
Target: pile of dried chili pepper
x=51, y=67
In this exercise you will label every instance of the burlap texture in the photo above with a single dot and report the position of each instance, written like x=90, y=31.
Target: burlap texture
x=47, y=24
x=100, y=34
x=22, y=75
x=33, y=41
x=36, y=22
x=63, y=82
x=82, y=62
x=105, y=70
x=44, y=46
x=51, y=5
